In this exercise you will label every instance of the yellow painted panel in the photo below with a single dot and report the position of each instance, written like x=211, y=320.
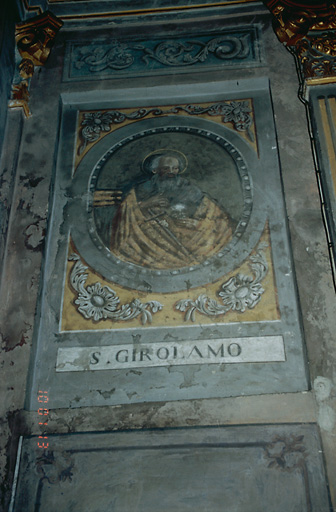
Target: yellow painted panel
x=166, y=112
x=266, y=310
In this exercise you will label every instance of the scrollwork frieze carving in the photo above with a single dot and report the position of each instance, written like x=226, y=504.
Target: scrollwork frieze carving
x=148, y=56
x=95, y=124
x=119, y=55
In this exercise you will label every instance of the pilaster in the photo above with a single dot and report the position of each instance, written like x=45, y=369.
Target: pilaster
x=308, y=30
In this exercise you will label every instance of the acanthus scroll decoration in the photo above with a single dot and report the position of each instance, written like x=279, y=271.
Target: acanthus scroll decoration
x=121, y=55
x=239, y=293
x=94, y=124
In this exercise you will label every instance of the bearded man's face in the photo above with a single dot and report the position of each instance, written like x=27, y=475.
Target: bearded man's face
x=168, y=167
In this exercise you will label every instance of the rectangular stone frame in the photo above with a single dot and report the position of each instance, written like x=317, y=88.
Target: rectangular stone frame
x=322, y=106
x=110, y=387
x=182, y=469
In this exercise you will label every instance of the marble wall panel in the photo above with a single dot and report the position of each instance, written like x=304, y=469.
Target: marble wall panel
x=273, y=468
x=167, y=284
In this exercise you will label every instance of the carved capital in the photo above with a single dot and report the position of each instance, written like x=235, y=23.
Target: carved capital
x=317, y=57
x=35, y=37
x=309, y=28
x=34, y=40
x=293, y=19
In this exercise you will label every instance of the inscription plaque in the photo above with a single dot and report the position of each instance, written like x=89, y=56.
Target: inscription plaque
x=235, y=350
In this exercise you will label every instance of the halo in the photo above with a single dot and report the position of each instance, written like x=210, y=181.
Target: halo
x=148, y=159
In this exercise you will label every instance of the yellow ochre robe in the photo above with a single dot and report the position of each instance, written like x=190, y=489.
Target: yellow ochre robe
x=164, y=242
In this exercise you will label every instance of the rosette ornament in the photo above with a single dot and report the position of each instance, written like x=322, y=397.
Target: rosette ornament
x=239, y=293
x=99, y=302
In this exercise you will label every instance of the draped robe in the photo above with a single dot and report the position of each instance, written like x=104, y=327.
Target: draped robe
x=189, y=231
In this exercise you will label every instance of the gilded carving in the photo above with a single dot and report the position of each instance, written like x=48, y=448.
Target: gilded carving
x=291, y=22
x=309, y=33
x=35, y=37
x=316, y=55
x=20, y=97
x=34, y=40
x=26, y=68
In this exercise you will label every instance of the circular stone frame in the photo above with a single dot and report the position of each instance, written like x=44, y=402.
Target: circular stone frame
x=130, y=275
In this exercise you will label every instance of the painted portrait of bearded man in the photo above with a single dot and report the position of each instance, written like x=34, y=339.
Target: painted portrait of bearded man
x=167, y=221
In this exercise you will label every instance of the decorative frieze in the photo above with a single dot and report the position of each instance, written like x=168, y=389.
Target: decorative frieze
x=145, y=56
x=96, y=124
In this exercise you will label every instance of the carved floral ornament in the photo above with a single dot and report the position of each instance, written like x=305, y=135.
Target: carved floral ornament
x=98, y=302
x=95, y=124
